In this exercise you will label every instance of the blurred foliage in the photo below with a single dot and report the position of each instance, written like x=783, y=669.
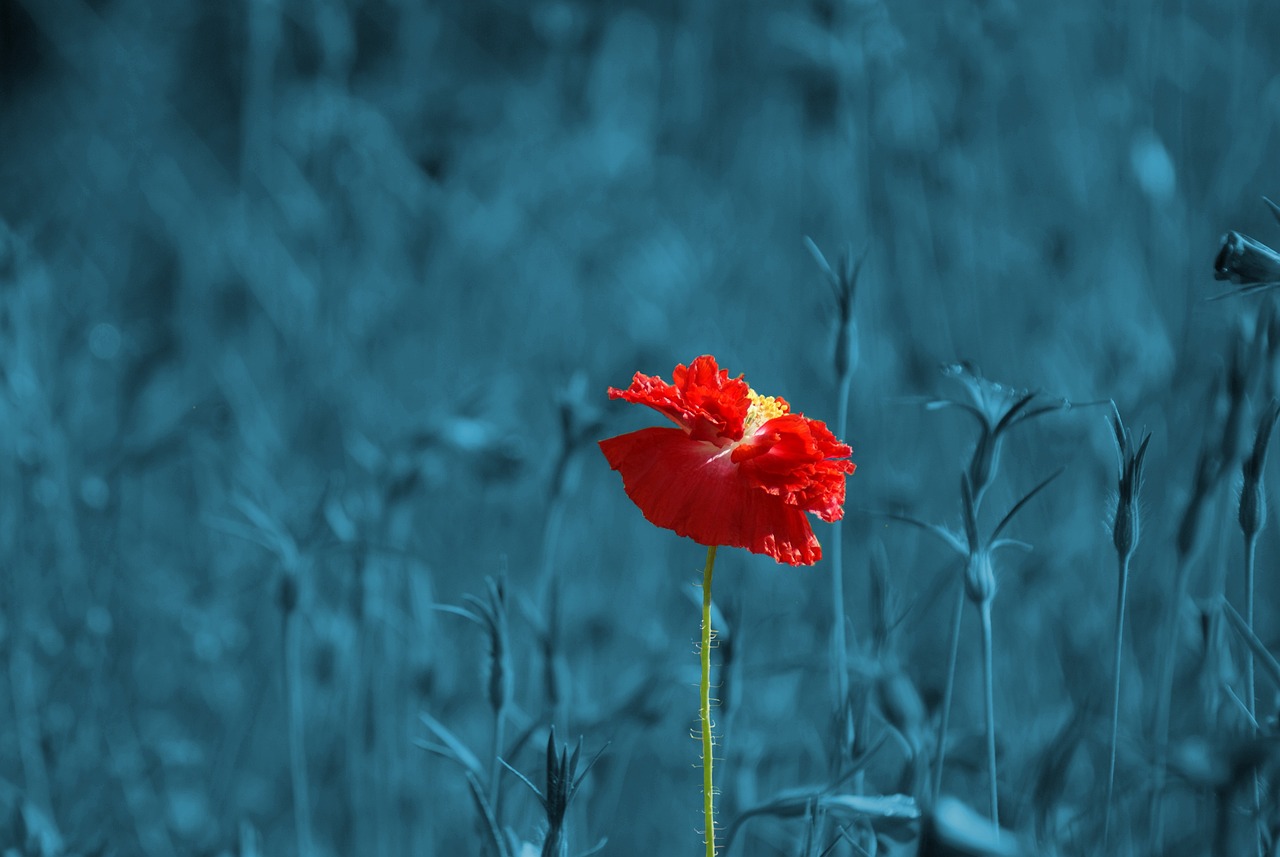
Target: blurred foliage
x=290, y=294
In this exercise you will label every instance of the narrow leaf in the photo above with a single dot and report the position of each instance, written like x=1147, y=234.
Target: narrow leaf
x=1018, y=506
x=491, y=826
x=1250, y=639
x=541, y=797
x=456, y=747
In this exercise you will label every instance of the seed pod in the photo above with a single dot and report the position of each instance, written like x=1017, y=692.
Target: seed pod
x=1253, y=500
x=1124, y=530
x=979, y=577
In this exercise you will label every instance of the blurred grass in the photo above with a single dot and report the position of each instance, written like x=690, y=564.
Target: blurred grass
x=332, y=261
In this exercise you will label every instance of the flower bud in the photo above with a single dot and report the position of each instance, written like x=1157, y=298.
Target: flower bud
x=979, y=577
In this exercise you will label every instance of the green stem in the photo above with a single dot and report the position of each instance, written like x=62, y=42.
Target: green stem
x=988, y=680
x=708, y=794
x=945, y=723
x=1115, y=697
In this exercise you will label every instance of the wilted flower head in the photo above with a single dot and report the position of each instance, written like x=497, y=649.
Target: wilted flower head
x=739, y=469
x=997, y=408
x=1247, y=262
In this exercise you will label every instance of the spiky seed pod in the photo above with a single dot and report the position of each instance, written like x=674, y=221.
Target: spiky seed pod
x=1124, y=530
x=1253, y=500
x=1125, y=527
x=561, y=785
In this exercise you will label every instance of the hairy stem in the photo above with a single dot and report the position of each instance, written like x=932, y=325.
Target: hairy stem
x=1115, y=697
x=945, y=722
x=708, y=794
x=988, y=680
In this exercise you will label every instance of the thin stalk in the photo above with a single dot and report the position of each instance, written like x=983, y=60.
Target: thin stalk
x=956, y=619
x=708, y=794
x=495, y=766
x=1164, y=701
x=839, y=644
x=297, y=744
x=1250, y=550
x=1115, y=696
x=988, y=679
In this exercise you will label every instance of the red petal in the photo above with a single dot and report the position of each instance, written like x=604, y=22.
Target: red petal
x=799, y=460
x=694, y=488
x=703, y=399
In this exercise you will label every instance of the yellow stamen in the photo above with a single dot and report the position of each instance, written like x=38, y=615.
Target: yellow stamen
x=763, y=409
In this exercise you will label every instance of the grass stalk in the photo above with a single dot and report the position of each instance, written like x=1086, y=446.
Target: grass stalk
x=297, y=743
x=944, y=724
x=1253, y=506
x=708, y=793
x=839, y=643
x=495, y=764
x=1115, y=695
x=1164, y=698
x=988, y=680
x=1250, y=553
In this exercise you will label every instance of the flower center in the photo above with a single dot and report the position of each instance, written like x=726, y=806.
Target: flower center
x=763, y=409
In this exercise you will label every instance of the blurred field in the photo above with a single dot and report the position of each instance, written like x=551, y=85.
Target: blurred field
x=294, y=296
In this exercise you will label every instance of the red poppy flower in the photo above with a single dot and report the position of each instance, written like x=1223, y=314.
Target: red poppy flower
x=741, y=469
